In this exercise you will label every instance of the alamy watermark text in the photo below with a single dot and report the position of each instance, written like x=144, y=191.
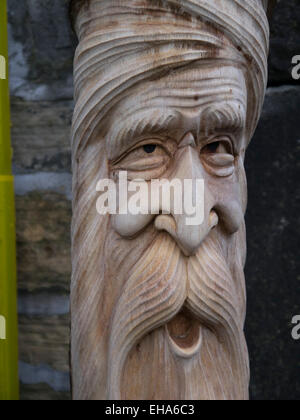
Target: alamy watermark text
x=296, y=68
x=136, y=197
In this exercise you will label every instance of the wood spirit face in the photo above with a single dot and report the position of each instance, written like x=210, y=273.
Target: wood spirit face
x=172, y=93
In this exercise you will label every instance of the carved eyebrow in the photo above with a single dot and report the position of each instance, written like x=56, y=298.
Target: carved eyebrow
x=230, y=117
x=145, y=122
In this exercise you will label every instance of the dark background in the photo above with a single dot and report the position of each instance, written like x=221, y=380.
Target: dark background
x=41, y=48
x=272, y=269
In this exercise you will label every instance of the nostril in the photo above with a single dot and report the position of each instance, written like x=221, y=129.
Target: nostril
x=213, y=219
x=167, y=223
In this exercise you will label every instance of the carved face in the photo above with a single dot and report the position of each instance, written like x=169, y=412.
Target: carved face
x=158, y=306
x=187, y=125
x=167, y=285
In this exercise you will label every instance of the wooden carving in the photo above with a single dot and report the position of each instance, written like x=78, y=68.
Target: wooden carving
x=167, y=89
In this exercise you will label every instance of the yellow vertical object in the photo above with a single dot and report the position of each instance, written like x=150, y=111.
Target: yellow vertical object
x=9, y=385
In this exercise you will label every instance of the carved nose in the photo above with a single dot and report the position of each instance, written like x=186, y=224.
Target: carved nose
x=189, y=237
x=188, y=140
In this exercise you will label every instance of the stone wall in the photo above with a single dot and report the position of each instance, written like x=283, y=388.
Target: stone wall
x=41, y=47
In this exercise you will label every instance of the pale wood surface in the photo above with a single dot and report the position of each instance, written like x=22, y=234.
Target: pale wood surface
x=158, y=307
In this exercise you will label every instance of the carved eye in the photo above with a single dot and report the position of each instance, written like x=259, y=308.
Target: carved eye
x=218, y=157
x=149, y=148
x=223, y=147
x=147, y=160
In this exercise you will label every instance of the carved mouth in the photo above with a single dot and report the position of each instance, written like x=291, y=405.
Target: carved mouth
x=184, y=334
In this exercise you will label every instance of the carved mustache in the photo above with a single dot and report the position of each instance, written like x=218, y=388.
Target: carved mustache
x=213, y=298
x=160, y=285
x=152, y=296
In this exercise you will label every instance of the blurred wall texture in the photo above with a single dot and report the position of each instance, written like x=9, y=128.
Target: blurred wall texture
x=41, y=47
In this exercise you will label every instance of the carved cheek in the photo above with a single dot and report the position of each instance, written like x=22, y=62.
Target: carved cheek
x=228, y=202
x=129, y=225
x=134, y=212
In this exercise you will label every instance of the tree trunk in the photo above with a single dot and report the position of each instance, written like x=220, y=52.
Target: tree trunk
x=165, y=90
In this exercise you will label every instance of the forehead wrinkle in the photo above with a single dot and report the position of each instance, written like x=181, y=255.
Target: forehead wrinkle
x=190, y=109
x=200, y=88
x=209, y=93
x=197, y=101
x=186, y=92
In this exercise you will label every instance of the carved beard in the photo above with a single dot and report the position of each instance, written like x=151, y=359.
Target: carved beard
x=145, y=315
x=179, y=321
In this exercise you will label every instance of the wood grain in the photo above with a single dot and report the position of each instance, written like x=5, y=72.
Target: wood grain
x=158, y=307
